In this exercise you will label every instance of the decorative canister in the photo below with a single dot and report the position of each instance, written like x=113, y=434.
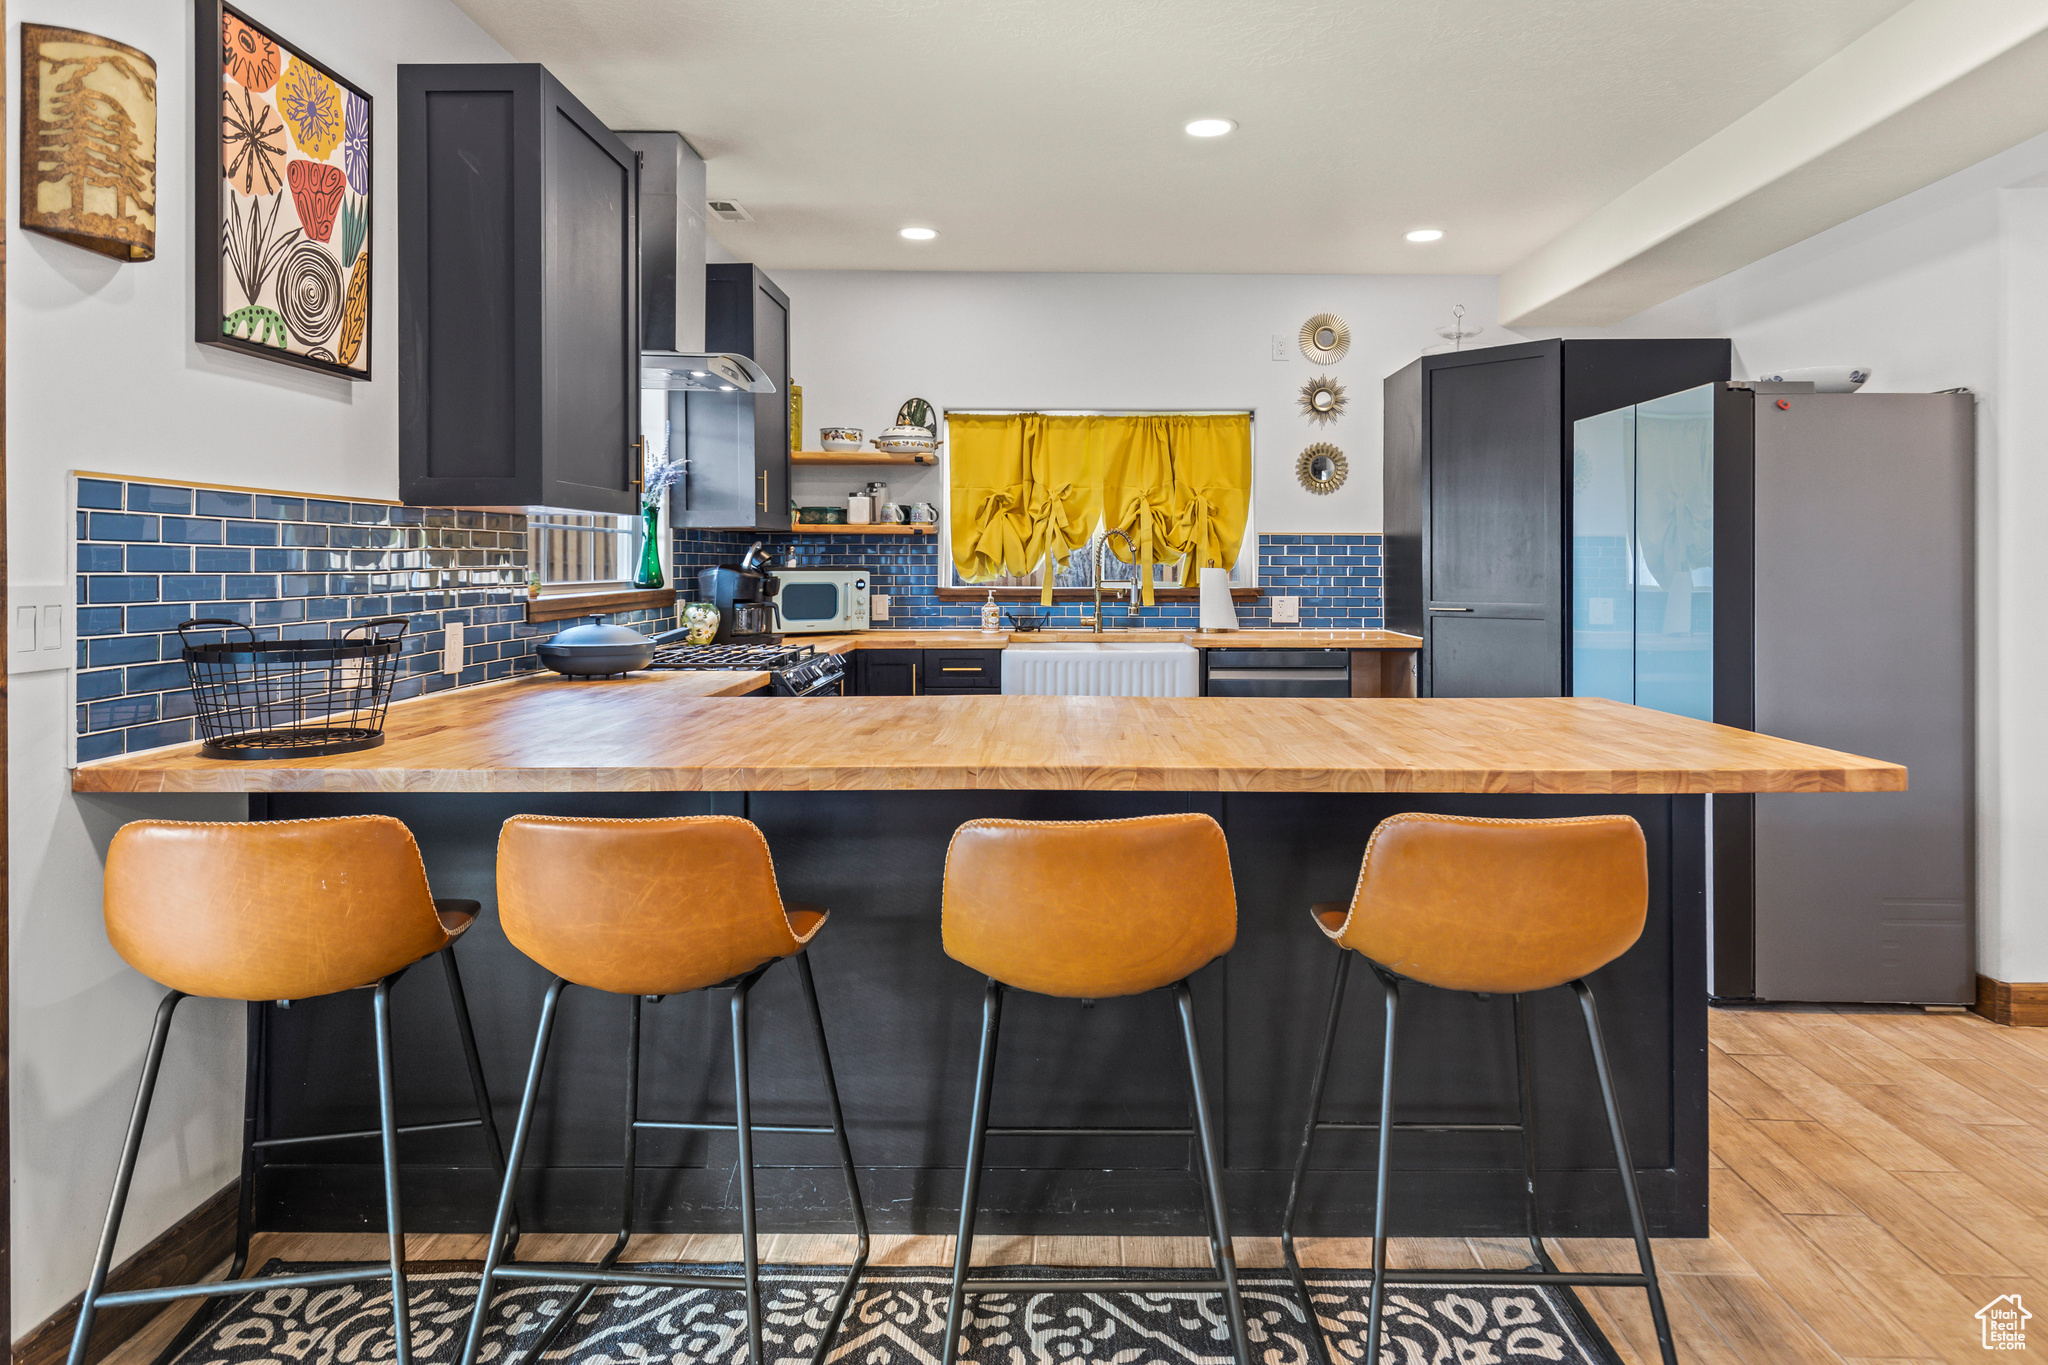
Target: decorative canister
x=701, y=620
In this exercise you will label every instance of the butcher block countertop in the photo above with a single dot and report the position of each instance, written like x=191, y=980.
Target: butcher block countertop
x=658, y=732
x=1200, y=639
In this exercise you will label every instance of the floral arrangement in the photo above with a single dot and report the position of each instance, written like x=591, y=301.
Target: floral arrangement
x=661, y=476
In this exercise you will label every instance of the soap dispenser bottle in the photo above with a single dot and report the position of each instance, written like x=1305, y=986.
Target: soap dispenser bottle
x=991, y=614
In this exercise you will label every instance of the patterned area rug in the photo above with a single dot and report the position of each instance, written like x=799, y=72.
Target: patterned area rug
x=898, y=1317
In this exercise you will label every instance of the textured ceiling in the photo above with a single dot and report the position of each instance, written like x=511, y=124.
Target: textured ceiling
x=1046, y=134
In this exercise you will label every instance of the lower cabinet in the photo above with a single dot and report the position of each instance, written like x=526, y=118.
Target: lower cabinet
x=927, y=672
x=963, y=672
x=887, y=672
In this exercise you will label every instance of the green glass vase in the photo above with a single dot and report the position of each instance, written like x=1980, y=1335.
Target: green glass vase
x=649, y=575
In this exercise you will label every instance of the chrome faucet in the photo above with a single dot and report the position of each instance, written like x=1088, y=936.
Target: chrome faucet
x=1100, y=546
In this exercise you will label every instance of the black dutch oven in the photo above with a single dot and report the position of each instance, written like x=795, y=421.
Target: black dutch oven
x=596, y=650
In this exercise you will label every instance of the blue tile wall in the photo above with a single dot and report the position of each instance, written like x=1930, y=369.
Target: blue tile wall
x=1337, y=578
x=151, y=555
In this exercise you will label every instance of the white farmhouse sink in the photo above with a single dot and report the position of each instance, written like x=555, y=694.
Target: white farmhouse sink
x=1112, y=668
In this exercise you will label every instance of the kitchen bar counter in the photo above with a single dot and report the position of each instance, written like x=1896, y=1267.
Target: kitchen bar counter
x=657, y=732
x=858, y=798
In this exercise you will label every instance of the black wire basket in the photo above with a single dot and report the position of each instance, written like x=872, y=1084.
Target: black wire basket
x=292, y=698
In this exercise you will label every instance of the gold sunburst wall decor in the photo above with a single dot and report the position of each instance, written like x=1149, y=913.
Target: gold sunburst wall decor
x=1325, y=338
x=1322, y=468
x=1323, y=400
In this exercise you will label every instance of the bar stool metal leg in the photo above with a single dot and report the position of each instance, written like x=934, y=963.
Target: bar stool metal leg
x=1525, y=1114
x=466, y=1030
x=629, y=1167
x=1308, y=1138
x=124, y=1175
x=501, y=1220
x=1212, y=1178
x=750, y=1250
x=96, y=1296
x=1208, y=1172
x=1384, y=1169
x=1628, y=1173
x=387, y=1120
x=860, y=1213
x=977, y=1138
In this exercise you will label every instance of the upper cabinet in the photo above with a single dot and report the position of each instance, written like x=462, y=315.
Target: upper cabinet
x=519, y=294
x=738, y=442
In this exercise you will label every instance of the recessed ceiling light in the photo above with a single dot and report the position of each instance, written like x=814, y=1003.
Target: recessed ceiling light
x=1425, y=234
x=1210, y=127
x=917, y=234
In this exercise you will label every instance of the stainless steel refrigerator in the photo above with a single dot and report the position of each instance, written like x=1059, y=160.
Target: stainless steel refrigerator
x=1801, y=564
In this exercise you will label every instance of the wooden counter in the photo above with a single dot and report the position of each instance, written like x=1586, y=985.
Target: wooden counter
x=648, y=732
x=1200, y=639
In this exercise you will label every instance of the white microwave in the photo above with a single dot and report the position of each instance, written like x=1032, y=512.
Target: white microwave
x=821, y=600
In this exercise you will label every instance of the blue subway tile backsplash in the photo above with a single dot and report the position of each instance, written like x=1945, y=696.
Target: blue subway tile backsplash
x=153, y=555
x=1335, y=576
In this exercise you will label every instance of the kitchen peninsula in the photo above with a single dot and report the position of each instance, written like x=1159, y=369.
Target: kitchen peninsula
x=858, y=798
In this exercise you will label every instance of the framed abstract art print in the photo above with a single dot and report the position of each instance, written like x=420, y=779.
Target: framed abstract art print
x=283, y=200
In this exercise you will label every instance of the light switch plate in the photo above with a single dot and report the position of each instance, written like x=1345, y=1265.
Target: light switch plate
x=1286, y=611
x=878, y=606
x=38, y=628
x=451, y=647
x=1280, y=346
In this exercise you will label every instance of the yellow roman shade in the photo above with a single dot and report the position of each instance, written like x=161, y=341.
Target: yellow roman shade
x=1025, y=486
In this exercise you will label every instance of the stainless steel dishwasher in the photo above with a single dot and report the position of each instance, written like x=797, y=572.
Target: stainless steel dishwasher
x=1276, y=673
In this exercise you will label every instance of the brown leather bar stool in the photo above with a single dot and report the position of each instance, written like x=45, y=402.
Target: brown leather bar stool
x=278, y=911
x=1090, y=910
x=1497, y=907
x=644, y=909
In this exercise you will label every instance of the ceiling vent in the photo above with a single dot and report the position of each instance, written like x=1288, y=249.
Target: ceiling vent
x=726, y=211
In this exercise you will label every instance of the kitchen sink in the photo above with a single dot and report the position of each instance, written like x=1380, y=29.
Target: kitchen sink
x=1102, y=668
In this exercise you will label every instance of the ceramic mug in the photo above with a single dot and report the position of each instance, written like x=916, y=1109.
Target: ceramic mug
x=893, y=512
x=923, y=512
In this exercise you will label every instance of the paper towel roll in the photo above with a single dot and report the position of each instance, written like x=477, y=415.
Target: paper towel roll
x=1217, y=611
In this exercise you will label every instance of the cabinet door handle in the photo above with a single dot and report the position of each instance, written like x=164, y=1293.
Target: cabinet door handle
x=762, y=501
x=1450, y=608
x=947, y=668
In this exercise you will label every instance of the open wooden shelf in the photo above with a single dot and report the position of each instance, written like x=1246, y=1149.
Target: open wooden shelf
x=857, y=457
x=875, y=528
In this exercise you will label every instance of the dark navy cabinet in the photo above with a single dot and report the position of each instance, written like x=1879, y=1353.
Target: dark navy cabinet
x=518, y=294
x=739, y=443
x=1478, y=486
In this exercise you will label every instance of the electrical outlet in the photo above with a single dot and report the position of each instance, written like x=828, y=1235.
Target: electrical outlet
x=1280, y=351
x=878, y=606
x=37, y=638
x=1286, y=611
x=452, y=647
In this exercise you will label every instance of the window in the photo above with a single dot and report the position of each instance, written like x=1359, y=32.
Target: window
x=1080, y=570
x=580, y=551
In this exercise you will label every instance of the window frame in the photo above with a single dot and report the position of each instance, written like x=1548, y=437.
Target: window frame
x=539, y=520
x=1243, y=575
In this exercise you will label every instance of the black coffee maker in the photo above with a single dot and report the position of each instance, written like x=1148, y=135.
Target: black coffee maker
x=744, y=596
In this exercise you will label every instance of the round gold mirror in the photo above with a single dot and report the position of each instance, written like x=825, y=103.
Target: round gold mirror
x=1322, y=400
x=1322, y=468
x=1325, y=338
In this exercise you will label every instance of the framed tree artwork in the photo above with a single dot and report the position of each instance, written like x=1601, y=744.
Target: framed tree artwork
x=282, y=200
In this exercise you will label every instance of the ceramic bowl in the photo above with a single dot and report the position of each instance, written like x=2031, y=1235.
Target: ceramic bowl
x=840, y=438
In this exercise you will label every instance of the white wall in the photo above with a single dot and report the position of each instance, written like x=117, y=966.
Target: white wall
x=863, y=341
x=1944, y=288
x=103, y=374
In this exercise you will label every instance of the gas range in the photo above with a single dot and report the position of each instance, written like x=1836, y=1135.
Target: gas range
x=793, y=670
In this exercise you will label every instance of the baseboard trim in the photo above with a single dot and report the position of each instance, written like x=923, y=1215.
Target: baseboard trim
x=186, y=1250
x=2021, y=1003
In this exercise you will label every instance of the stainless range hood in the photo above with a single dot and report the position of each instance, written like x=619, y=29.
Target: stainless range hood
x=672, y=354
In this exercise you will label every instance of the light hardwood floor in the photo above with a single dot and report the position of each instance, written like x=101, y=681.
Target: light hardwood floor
x=1878, y=1176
